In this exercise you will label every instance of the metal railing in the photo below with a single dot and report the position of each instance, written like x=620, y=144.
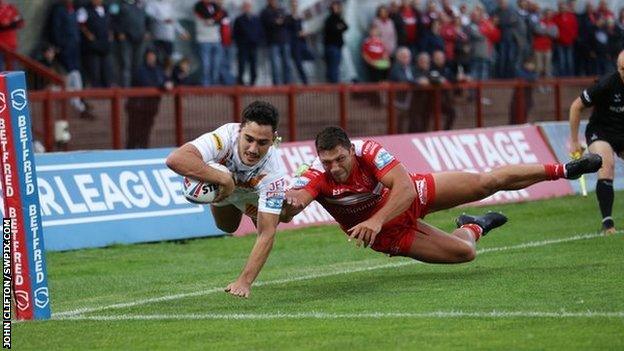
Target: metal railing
x=361, y=109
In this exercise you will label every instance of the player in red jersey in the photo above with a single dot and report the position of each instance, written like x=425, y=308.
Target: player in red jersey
x=378, y=203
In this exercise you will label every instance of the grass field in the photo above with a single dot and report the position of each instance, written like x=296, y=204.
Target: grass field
x=544, y=281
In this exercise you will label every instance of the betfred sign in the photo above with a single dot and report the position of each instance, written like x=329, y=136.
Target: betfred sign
x=474, y=150
x=21, y=201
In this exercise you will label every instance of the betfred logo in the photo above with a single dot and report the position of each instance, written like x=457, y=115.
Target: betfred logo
x=18, y=99
x=2, y=102
x=42, y=297
x=22, y=300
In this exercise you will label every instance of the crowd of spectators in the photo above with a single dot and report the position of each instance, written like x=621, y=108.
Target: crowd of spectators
x=95, y=38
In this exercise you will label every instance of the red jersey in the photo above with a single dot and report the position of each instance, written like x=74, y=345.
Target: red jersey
x=374, y=48
x=410, y=20
x=10, y=21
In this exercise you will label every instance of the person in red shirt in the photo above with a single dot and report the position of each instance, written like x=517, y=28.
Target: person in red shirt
x=410, y=15
x=379, y=204
x=543, y=42
x=375, y=56
x=604, y=11
x=10, y=21
x=567, y=25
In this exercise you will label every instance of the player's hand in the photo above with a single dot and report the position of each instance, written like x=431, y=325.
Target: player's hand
x=293, y=200
x=226, y=188
x=239, y=289
x=576, y=148
x=365, y=232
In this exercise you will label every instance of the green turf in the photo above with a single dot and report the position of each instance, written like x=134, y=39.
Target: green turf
x=574, y=276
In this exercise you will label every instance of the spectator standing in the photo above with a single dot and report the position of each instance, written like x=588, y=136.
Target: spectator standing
x=248, y=33
x=411, y=21
x=208, y=35
x=142, y=110
x=225, y=70
x=164, y=29
x=129, y=22
x=545, y=33
x=10, y=21
x=508, y=48
x=399, y=26
x=333, y=41
x=97, y=36
x=64, y=34
x=483, y=35
x=615, y=43
x=568, y=32
x=385, y=27
x=275, y=21
x=600, y=46
x=583, y=58
x=298, y=46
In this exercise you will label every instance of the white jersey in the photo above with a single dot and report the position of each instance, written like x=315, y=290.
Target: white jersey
x=259, y=187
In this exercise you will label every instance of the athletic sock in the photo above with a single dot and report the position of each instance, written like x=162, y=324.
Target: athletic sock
x=554, y=171
x=475, y=229
x=604, y=193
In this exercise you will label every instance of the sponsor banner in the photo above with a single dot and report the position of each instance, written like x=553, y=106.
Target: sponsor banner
x=22, y=201
x=99, y=198
x=557, y=135
x=474, y=150
x=13, y=206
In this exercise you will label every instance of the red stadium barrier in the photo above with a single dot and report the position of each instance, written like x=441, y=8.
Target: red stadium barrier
x=361, y=109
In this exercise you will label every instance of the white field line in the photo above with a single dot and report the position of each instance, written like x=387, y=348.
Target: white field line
x=208, y=291
x=374, y=315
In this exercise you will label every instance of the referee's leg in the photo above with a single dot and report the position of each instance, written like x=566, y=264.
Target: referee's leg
x=604, y=185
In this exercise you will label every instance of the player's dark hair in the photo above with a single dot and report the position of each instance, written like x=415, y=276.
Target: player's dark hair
x=261, y=112
x=330, y=137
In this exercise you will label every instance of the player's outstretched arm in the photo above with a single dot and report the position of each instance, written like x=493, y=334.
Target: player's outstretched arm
x=187, y=161
x=402, y=194
x=267, y=226
x=296, y=201
x=575, y=120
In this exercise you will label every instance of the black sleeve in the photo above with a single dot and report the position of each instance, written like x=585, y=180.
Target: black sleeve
x=596, y=92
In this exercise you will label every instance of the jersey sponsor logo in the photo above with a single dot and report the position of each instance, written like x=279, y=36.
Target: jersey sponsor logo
x=274, y=199
x=301, y=182
x=218, y=142
x=383, y=158
x=617, y=98
x=616, y=109
x=421, y=189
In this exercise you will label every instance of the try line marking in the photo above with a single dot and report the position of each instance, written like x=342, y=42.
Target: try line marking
x=213, y=290
x=374, y=315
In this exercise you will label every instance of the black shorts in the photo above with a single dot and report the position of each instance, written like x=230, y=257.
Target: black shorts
x=594, y=133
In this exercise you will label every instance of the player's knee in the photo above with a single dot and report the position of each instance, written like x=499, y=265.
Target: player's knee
x=607, y=169
x=465, y=253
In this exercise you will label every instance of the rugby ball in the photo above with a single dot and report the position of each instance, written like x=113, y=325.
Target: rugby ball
x=200, y=192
